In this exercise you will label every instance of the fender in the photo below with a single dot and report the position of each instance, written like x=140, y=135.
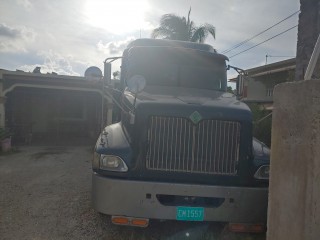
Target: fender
x=113, y=141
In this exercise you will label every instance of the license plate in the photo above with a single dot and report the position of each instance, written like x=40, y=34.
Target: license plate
x=190, y=214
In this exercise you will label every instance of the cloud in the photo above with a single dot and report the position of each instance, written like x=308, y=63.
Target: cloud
x=23, y=34
x=114, y=48
x=26, y=4
x=16, y=32
x=9, y=32
x=15, y=39
x=54, y=62
x=8, y=47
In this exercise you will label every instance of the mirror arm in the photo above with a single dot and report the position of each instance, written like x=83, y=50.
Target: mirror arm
x=107, y=69
x=113, y=99
x=133, y=112
x=239, y=70
x=239, y=83
x=134, y=102
x=111, y=59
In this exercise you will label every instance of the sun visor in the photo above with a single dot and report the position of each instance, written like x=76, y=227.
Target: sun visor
x=172, y=54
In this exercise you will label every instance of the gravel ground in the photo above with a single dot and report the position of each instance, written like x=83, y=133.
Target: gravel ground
x=45, y=194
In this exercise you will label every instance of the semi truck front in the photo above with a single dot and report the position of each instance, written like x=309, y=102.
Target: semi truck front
x=183, y=149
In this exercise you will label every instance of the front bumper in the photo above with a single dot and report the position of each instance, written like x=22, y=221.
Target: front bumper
x=138, y=199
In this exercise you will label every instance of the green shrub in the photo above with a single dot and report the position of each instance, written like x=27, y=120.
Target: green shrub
x=262, y=123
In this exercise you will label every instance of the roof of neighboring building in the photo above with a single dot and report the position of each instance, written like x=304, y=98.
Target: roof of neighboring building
x=25, y=76
x=281, y=66
x=42, y=75
x=13, y=79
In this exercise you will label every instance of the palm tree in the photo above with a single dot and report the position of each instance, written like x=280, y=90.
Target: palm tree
x=179, y=28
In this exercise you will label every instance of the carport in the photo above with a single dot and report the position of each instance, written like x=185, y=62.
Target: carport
x=52, y=109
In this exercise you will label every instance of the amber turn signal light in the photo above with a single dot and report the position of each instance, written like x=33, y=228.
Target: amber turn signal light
x=130, y=221
x=120, y=220
x=140, y=222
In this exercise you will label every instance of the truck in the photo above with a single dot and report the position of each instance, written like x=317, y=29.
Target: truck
x=183, y=147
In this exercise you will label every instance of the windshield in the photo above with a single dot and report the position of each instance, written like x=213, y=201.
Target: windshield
x=178, y=67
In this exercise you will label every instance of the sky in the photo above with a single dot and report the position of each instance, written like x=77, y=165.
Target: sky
x=68, y=36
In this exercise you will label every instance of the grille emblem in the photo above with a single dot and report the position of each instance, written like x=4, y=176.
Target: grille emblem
x=195, y=117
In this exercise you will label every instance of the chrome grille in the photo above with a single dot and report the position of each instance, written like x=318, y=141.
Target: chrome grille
x=178, y=145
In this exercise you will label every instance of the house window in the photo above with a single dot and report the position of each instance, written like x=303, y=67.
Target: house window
x=269, y=92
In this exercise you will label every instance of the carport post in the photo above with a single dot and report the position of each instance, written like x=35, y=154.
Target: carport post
x=102, y=112
x=2, y=112
x=2, y=107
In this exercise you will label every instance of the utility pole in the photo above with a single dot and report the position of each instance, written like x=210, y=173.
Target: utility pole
x=277, y=57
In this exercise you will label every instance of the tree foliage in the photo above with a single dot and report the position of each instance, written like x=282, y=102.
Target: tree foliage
x=116, y=75
x=262, y=123
x=174, y=27
x=230, y=90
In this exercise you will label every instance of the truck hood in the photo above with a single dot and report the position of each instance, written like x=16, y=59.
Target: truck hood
x=186, y=96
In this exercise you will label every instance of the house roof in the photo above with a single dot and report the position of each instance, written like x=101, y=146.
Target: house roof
x=6, y=75
x=281, y=66
x=21, y=74
x=13, y=79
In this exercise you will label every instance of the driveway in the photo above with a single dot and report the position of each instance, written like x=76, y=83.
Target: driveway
x=45, y=194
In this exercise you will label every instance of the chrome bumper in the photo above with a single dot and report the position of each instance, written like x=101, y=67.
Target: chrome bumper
x=138, y=199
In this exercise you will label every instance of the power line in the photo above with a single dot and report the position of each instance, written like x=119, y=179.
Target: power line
x=264, y=41
x=245, y=41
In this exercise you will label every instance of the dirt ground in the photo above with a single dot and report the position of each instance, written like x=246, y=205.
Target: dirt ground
x=45, y=193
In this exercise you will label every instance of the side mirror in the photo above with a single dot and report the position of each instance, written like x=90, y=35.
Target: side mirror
x=240, y=86
x=136, y=84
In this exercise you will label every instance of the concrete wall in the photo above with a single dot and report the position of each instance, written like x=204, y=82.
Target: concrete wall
x=294, y=192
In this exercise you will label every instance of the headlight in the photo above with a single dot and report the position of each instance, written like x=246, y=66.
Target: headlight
x=112, y=163
x=262, y=173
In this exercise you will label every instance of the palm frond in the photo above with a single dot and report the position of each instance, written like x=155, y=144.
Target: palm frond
x=180, y=28
x=161, y=32
x=211, y=29
x=177, y=25
x=172, y=21
x=191, y=29
x=199, y=35
x=188, y=23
